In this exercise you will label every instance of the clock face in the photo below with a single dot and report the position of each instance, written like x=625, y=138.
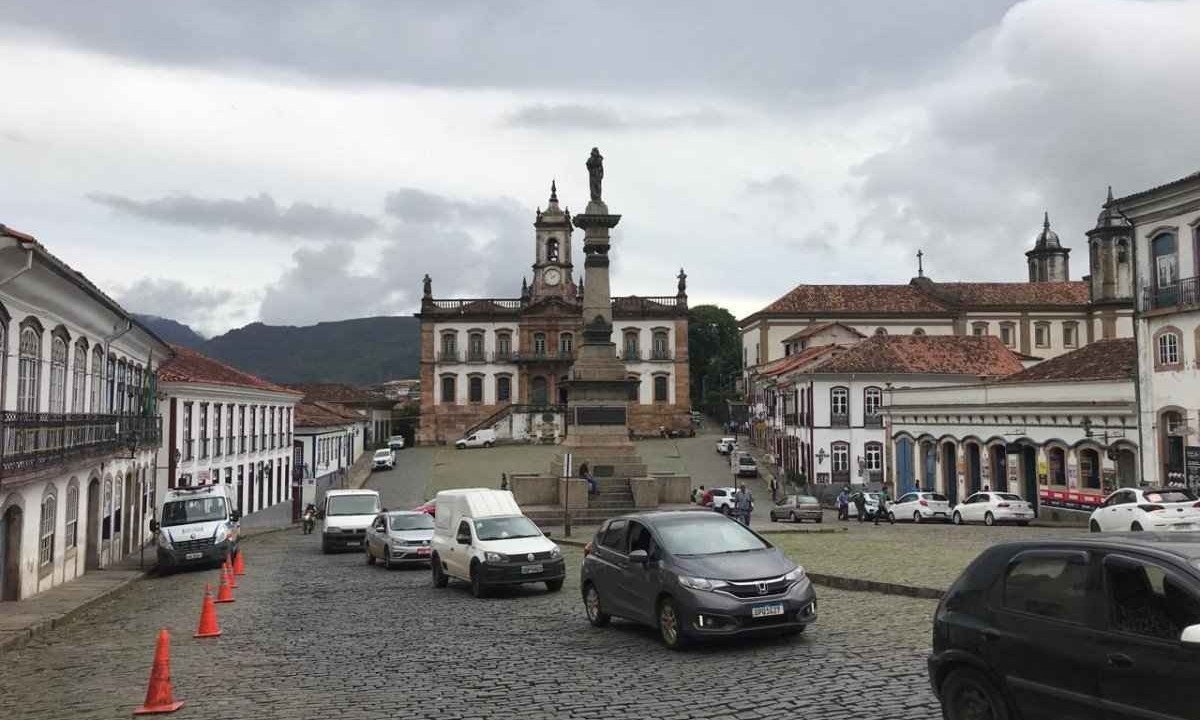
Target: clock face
x=553, y=276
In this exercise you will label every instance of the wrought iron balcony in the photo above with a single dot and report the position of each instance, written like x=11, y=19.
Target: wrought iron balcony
x=873, y=421
x=839, y=420
x=548, y=356
x=661, y=354
x=32, y=440
x=1183, y=293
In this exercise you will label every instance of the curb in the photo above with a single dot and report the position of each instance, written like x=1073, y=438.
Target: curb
x=20, y=640
x=813, y=531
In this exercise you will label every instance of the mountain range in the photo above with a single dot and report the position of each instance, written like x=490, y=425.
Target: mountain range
x=362, y=351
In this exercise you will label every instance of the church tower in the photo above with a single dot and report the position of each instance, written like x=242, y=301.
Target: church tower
x=1048, y=261
x=552, y=252
x=1110, y=259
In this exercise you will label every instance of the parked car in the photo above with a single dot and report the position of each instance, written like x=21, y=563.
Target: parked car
x=920, y=506
x=726, y=445
x=481, y=536
x=384, y=459
x=990, y=508
x=1158, y=509
x=479, y=438
x=196, y=526
x=872, y=505
x=743, y=465
x=429, y=507
x=1099, y=626
x=797, y=508
x=400, y=538
x=345, y=516
x=396, y=442
x=693, y=575
x=719, y=499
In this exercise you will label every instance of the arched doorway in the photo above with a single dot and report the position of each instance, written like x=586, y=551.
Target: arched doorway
x=1029, y=471
x=1171, y=429
x=974, y=468
x=10, y=555
x=91, y=559
x=950, y=471
x=928, y=467
x=130, y=538
x=1089, y=469
x=537, y=391
x=1056, y=461
x=904, y=466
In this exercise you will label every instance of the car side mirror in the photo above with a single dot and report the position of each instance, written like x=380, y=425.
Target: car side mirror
x=153, y=525
x=1190, y=635
x=547, y=533
x=235, y=515
x=639, y=557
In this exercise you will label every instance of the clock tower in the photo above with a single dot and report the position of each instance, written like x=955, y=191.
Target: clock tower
x=552, y=254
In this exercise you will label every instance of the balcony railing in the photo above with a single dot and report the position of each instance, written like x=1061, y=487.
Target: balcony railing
x=449, y=356
x=873, y=421
x=661, y=354
x=839, y=420
x=548, y=356
x=1182, y=294
x=31, y=440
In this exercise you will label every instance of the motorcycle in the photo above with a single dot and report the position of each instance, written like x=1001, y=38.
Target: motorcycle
x=310, y=520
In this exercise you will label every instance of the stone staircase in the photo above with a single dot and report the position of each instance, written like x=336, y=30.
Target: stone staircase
x=612, y=498
x=605, y=462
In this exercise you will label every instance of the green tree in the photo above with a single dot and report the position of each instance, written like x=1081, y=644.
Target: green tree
x=714, y=355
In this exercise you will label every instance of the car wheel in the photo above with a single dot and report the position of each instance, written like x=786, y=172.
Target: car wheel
x=440, y=580
x=793, y=517
x=916, y=517
x=591, y=605
x=989, y=519
x=1023, y=523
x=958, y=519
x=670, y=627
x=554, y=585
x=387, y=558
x=725, y=509
x=967, y=693
x=1094, y=526
x=891, y=516
x=487, y=444
x=1135, y=527
x=478, y=589
x=370, y=557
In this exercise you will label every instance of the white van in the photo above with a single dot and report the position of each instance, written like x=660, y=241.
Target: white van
x=479, y=438
x=196, y=526
x=345, y=516
x=482, y=537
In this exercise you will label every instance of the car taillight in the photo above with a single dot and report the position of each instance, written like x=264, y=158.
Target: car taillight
x=1150, y=508
x=923, y=503
x=587, y=549
x=1001, y=504
x=1196, y=504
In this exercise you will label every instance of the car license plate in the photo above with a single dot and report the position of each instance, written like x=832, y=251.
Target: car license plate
x=531, y=569
x=1184, y=526
x=353, y=543
x=766, y=610
x=193, y=556
x=422, y=551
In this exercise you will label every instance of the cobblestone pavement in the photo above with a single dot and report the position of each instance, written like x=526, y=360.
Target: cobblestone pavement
x=326, y=636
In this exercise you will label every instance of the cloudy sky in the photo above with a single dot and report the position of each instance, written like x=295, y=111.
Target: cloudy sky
x=223, y=162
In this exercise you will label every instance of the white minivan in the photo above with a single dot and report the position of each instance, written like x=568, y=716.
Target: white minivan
x=479, y=438
x=481, y=536
x=196, y=526
x=345, y=516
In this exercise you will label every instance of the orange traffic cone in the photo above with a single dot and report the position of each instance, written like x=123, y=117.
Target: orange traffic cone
x=228, y=572
x=224, y=594
x=208, y=616
x=239, y=568
x=159, y=696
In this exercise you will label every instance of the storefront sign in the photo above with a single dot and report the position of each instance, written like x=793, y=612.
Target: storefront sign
x=1070, y=499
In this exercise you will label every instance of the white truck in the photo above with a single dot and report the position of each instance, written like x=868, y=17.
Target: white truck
x=345, y=516
x=480, y=438
x=480, y=536
x=196, y=526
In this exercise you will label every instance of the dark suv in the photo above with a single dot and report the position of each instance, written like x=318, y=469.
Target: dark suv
x=693, y=575
x=1087, y=628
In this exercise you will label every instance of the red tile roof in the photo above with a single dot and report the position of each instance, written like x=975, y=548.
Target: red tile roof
x=980, y=295
x=819, y=327
x=321, y=414
x=796, y=361
x=189, y=366
x=870, y=299
x=1100, y=360
x=337, y=392
x=932, y=354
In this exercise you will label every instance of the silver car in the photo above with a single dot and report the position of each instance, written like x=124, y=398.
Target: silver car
x=400, y=537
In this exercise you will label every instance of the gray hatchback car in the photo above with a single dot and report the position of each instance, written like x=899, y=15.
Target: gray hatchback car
x=693, y=575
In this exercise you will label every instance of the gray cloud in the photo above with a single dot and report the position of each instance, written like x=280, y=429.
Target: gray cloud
x=573, y=116
x=173, y=299
x=321, y=286
x=259, y=214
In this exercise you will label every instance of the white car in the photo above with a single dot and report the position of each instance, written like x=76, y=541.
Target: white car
x=871, y=504
x=921, y=506
x=396, y=442
x=722, y=499
x=479, y=438
x=1153, y=509
x=384, y=459
x=990, y=508
x=726, y=445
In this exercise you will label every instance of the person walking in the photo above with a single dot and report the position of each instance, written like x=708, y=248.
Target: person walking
x=743, y=504
x=860, y=505
x=586, y=473
x=882, y=510
x=843, y=504
x=697, y=495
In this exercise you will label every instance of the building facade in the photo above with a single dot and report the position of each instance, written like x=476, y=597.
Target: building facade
x=329, y=438
x=375, y=408
x=225, y=426
x=1163, y=226
x=484, y=360
x=80, y=431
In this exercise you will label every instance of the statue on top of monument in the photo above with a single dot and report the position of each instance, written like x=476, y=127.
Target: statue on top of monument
x=595, y=166
x=427, y=286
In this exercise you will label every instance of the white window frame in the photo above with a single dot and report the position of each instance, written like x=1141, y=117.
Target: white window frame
x=835, y=394
x=46, y=531
x=72, y=527
x=872, y=408
x=873, y=456
x=839, y=457
x=29, y=365
x=1168, y=349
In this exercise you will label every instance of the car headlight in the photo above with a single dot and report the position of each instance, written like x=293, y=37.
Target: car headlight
x=493, y=557
x=220, y=534
x=329, y=529
x=555, y=552
x=701, y=583
x=795, y=576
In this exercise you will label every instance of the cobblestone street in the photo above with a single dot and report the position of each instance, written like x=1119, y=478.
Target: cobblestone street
x=320, y=636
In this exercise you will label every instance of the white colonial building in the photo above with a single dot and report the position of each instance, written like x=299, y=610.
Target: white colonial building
x=225, y=426
x=329, y=438
x=80, y=434
x=1166, y=234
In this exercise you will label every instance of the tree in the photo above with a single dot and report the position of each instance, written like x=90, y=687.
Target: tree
x=714, y=355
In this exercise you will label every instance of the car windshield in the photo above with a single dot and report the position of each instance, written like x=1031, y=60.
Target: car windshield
x=382, y=454
x=353, y=505
x=412, y=522
x=936, y=497
x=1008, y=496
x=192, y=510
x=746, y=460
x=505, y=528
x=707, y=536
x=806, y=500
x=1174, y=495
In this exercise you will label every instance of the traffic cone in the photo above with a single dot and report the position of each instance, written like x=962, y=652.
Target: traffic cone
x=208, y=616
x=224, y=593
x=239, y=568
x=159, y=696
x=228, y=571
